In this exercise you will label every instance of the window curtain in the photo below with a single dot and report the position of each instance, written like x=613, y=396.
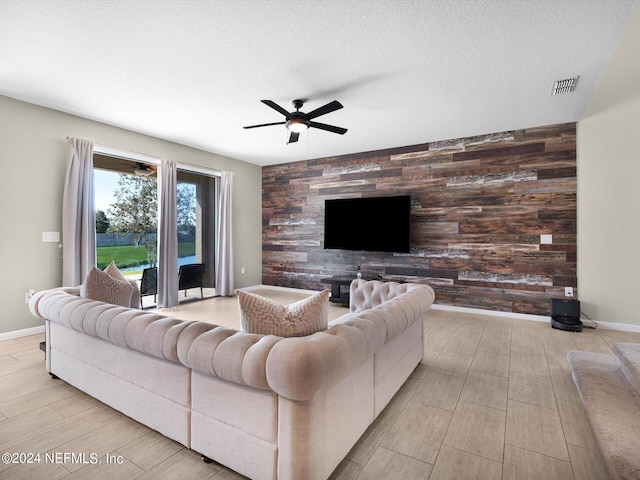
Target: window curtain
x=224, y=250
x=167, y=235
x=78, y=214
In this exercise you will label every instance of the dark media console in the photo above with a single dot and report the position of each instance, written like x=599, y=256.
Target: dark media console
x=338, y=293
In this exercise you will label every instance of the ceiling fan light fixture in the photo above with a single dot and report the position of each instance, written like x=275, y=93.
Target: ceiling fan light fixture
x=297, y=122
x=297, y=125
x=143, y=170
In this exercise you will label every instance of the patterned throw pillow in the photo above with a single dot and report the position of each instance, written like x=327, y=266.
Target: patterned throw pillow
x=101, y=286
x=114, y=273
x=267, y=317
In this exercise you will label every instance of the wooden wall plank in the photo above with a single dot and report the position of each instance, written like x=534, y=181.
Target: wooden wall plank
x=479, y=206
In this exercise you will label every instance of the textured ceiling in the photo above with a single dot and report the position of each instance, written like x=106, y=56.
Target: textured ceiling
x=407, y=72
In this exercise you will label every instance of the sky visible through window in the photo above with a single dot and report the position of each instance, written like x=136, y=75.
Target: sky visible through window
x=104, y=184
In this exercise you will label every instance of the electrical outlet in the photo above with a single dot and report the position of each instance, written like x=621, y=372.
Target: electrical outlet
x=546, y=239
x=28, y=294
x=242, y=270
x=568, y=292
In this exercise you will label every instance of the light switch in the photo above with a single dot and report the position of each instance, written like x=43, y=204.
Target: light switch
x=546, y=239
x=51, y=237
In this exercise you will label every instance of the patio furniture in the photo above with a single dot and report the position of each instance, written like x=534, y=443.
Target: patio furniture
x=190, y=276
x=149, y=283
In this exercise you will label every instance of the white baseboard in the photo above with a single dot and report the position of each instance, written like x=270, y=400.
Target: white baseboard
x=21, y=333
x=625, y=327
x=493, y=313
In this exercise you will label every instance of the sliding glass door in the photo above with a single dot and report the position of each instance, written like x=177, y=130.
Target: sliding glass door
x=126, y=199
x=197, y=198
x=126, y=202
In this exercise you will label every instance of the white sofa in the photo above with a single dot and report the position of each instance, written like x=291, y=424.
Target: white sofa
x=265, y=406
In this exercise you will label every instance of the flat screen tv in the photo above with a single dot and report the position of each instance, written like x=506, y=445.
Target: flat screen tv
x=375, y=224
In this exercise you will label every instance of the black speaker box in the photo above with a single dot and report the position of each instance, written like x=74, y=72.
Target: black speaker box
x=565, y=314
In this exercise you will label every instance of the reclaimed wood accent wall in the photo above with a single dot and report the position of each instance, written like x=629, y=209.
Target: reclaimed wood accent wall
x=479, y=207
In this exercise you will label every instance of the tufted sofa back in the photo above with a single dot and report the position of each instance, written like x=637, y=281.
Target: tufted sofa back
x=366, y=294
x=296, y=368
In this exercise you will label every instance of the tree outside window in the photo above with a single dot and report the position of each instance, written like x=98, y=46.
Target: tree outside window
x=133, y=216
x=135, y=212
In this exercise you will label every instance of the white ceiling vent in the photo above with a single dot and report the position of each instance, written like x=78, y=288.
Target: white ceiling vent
x=564, y=86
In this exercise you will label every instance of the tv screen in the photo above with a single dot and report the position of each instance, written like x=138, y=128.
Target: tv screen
x=375, y=224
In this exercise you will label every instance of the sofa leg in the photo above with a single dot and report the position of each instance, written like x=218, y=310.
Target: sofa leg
x=206, y=459
x=53, y=376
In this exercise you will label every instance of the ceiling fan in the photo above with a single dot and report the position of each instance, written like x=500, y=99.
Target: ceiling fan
x=144, y=170
x=299, y=121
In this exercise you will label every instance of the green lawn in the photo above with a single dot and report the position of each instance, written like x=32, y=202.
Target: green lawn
x=132, y=256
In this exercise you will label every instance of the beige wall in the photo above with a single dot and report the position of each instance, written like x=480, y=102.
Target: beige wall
x=33, y=157
x=609, y=190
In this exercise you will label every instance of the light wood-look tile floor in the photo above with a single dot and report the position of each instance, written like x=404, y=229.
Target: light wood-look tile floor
x=492, y=399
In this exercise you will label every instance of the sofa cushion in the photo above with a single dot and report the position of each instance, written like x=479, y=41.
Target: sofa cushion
x=102, y=286
x=268, y=317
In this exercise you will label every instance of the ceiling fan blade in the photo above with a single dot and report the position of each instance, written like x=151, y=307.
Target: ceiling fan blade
x=328, y=108
x=293, y=137
x=277, y=108
x=265, y=125
x=328, y=128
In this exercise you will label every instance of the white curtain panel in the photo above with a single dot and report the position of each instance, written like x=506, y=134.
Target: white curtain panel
x=224, y=250
x=78, y=214
x=167, y=235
